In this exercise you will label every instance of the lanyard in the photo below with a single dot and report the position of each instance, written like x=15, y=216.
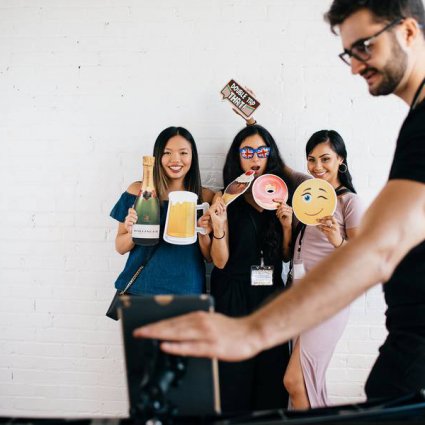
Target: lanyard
x=417, y=94
x=303, y=226
x=257, y=234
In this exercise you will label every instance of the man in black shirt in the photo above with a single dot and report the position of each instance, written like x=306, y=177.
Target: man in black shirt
x=384, y=43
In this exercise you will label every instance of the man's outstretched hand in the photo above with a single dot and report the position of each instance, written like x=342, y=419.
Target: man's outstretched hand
x=202, y=334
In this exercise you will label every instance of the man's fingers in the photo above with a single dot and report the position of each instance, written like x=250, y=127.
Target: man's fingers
x=176, y=329
x=193, y=349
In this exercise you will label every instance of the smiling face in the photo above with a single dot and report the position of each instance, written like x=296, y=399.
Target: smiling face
x=256, y=164
x=313, y=199
x=323, y=163
x=387, y=65
x=177, y=158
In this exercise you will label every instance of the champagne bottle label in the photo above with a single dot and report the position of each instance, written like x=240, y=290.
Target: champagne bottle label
x=146, y=231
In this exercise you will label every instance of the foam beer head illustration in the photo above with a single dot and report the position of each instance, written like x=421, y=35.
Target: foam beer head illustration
x=267, y=188
x=180, y=223
x=240, y=98
x=312, y=200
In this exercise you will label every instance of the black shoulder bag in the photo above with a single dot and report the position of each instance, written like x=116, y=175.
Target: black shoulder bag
x=112, y=311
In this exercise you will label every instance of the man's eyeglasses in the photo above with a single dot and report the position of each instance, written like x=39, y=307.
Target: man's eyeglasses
x=247, y=152
x=361, y=49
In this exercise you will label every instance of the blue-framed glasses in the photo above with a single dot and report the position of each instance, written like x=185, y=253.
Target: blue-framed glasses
x=247, y=152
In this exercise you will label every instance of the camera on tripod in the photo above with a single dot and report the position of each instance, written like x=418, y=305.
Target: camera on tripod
x=162, y=386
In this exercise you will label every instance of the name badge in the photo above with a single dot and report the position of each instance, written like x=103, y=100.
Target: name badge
x=261, y=275
x=299, y=270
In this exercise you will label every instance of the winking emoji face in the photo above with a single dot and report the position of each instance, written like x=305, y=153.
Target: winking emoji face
x=312, y=200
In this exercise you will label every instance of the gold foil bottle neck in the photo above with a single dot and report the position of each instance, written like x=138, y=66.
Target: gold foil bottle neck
x=148, y=161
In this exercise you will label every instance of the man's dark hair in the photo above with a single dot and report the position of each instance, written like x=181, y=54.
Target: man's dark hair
x=384, y=10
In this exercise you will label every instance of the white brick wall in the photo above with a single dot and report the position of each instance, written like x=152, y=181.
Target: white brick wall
x=85, y=87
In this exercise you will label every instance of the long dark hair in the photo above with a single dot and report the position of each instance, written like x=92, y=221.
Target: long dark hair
x=338, y=146
x=275, y=163
x=192, y=180
x=272, y=236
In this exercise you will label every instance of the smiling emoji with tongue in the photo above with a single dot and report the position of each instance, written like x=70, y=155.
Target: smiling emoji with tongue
x=312, y=200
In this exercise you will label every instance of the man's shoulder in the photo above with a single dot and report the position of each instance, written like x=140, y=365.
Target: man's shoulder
x=414, y=121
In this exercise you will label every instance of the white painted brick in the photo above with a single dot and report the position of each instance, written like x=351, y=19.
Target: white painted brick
x=346, y=390
x=22, y=320
x=10, y=305
x=366, y=347
x=378, y=333
x=356, y=361
x=6, y=404
x=354, y=332
x=35, y=349
x=5, y=374
x=18, y=333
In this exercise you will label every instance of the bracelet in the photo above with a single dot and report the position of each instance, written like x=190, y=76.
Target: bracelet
x=224, y=234
x=343, y=240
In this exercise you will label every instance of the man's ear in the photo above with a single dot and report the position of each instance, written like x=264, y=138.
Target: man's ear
x=411, y=31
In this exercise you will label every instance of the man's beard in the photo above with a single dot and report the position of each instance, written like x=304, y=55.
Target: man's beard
x=392, y=73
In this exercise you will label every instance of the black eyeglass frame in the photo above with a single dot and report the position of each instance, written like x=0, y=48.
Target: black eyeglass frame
x=365, y=43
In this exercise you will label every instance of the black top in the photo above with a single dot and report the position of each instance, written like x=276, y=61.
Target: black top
x=248, y=231
x=247, y=234
x=405, y=291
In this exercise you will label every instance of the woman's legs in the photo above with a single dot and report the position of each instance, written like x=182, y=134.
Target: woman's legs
x=294, y=381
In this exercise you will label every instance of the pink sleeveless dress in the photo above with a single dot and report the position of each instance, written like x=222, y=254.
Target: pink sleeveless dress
x=318, y=344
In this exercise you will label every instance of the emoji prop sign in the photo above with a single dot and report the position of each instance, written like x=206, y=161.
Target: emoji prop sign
x=313, y=199
x=238, y=186
x=268, y=187
x=240, y=98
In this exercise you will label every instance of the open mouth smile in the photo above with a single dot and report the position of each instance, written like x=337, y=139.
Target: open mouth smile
x=175, y=168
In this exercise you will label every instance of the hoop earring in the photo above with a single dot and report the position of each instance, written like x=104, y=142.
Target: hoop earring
x=343, y=170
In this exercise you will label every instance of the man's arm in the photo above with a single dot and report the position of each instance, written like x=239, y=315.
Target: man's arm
x=391, y=227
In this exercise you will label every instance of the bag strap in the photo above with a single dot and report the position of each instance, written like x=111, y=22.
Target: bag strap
x=341, y=190
x=298, y=229
x=135, y=276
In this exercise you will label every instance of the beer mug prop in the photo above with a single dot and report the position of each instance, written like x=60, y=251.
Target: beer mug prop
x=180, y=224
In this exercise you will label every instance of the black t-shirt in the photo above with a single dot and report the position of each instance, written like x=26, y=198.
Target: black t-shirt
x=405, y=291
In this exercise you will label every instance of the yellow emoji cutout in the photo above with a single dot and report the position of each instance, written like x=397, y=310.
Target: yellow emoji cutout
x=313, y=199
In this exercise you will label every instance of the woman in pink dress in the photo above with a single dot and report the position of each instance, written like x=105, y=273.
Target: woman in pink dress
x=305, y=376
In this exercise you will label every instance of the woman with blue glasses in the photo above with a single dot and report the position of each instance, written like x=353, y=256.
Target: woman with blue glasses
x=244, y=236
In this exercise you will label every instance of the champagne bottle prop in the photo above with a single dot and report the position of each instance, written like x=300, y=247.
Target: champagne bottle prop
x=146, y=230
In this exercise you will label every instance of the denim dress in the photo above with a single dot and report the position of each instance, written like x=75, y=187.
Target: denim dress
x=172, y=269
